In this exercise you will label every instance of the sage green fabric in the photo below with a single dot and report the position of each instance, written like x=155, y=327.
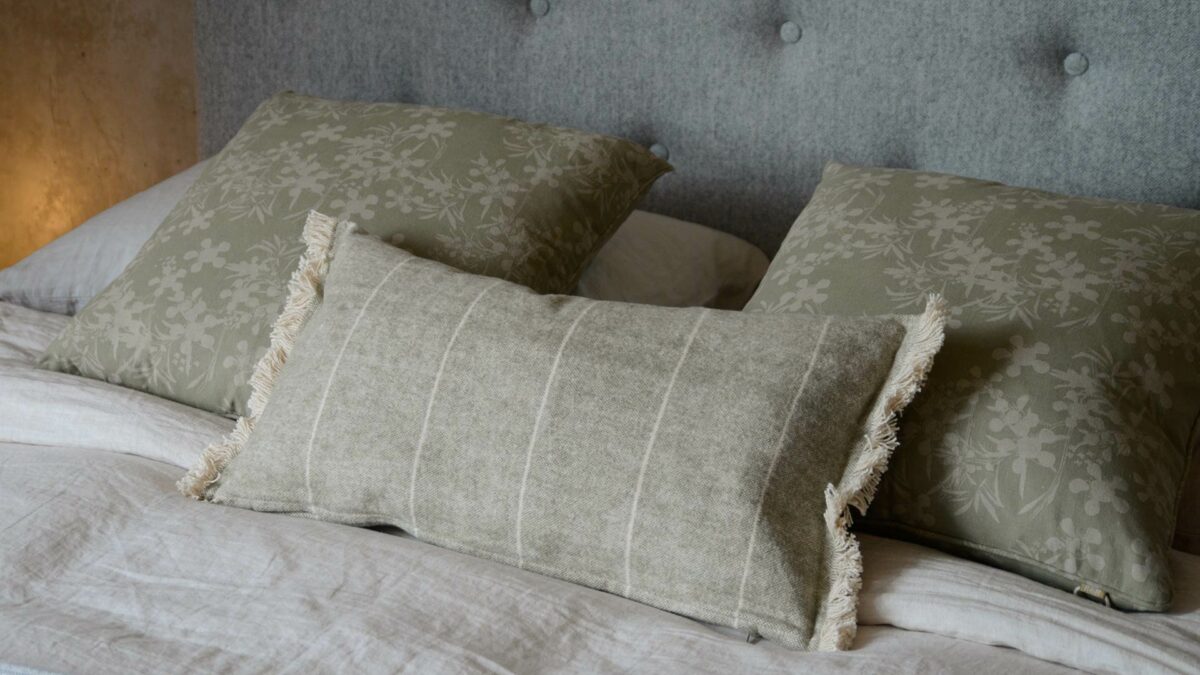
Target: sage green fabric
x=191, y=315
x=679, y=457
x=1053, y=434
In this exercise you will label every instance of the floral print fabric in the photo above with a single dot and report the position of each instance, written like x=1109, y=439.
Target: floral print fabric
x=191, y=315
x=1053, y=434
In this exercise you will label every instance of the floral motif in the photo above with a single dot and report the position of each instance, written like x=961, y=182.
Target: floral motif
x=190, y=317
x=1056, y=424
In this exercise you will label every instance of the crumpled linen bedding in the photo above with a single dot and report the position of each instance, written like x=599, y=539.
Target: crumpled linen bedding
x=43, y=407
x=106, y=568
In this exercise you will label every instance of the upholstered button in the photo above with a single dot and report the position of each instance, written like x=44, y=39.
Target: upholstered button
x=789, y=31
x=539, y=8
x=1075, y=64
x=660, y=151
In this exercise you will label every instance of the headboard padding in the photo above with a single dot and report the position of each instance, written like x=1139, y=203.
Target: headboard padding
x=750, y=97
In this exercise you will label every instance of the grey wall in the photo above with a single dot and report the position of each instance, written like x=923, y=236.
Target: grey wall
x=975, y=87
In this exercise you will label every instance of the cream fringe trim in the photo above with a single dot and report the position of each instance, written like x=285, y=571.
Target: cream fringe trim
x=304, y=292
x=837, y=621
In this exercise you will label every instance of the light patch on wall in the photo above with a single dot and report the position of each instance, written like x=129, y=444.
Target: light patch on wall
x=97, y=102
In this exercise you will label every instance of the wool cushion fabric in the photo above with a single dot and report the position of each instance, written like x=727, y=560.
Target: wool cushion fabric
x=698, y=460
x=1053, y=437
x=190, y=316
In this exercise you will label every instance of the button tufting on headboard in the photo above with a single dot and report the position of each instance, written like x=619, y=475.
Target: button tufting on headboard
x=539, y=8
x=1075, y=64
x=973, y=88
x=790, y=32
x=660, y=151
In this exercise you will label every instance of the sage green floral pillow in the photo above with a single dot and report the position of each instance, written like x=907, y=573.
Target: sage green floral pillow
x=1053, y=435
x=191, y=315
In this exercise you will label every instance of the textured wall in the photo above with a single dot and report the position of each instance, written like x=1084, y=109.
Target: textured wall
x=751, y=97
x=97, y=102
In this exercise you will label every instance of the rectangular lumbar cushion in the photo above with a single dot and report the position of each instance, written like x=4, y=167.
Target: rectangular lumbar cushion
x=190, y=316
x=1054, y=433
x=699, y=460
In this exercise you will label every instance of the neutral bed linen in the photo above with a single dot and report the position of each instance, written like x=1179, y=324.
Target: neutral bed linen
x=107, y=569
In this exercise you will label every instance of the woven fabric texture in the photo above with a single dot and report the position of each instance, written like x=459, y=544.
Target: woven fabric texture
x=971, y=87
x=698, y=460
x=190, y=316
x=1055, y=432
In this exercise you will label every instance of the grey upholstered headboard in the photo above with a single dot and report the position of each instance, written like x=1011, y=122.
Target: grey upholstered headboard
x=751, y=97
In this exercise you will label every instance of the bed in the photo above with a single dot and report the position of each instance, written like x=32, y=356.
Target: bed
x=108, y=569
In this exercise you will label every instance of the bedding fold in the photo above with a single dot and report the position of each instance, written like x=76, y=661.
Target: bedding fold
x=41, y=407
x=108, y=570
x=920, y=589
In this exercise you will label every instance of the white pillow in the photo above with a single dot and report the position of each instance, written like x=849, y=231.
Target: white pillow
x=64, y=275
x=657, y=260
x=652, y=259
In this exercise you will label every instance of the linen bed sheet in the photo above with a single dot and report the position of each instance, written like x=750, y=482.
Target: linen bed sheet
x=106, y=568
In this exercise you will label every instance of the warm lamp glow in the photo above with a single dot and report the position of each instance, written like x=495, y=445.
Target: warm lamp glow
x=98, y=102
